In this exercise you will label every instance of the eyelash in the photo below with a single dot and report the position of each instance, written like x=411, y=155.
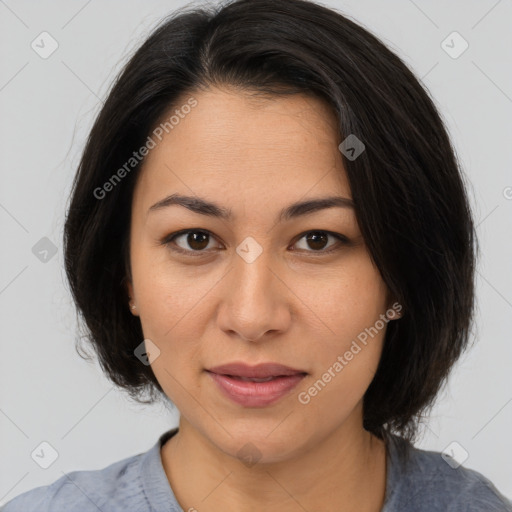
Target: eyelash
x=168, y=241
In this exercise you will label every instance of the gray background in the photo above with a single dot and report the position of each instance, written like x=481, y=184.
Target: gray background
x=47, y=393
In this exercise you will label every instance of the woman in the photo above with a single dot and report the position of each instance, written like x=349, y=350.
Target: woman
x=269, y=229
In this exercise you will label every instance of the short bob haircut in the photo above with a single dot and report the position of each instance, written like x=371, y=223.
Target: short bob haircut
x=409, y=193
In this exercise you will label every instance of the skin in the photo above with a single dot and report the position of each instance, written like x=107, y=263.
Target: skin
x=293, y=305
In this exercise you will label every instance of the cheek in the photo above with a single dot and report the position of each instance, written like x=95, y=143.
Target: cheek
x=168, y=302
x=343, y=371
x=347, y=358
x=167, y=294
x=343, y=301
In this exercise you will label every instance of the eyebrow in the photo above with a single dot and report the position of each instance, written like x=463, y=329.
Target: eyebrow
x=204, y=207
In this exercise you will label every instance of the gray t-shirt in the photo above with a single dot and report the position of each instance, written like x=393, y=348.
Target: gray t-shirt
x=417, y=481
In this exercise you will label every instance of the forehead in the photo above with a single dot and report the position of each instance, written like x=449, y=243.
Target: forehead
x=231, y=140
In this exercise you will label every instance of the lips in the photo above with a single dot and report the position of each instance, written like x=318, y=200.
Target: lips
x=260, y=371
x=255, y=386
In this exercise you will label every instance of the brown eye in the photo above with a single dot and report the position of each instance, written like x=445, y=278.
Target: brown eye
x=189, y=241
x=197, y=241
x=317, y=241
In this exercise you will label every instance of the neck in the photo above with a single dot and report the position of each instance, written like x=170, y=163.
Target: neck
x=345, y=471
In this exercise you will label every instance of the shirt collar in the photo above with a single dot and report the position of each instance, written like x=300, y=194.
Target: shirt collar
x=155, y=484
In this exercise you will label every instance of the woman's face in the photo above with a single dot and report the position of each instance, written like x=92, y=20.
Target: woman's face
x=259, y=286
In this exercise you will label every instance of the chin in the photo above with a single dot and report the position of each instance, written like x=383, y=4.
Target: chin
x=265, y=442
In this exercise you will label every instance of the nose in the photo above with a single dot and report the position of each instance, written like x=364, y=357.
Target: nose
x=255, y=299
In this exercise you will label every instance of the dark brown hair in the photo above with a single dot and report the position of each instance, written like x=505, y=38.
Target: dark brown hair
x=408, y=190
